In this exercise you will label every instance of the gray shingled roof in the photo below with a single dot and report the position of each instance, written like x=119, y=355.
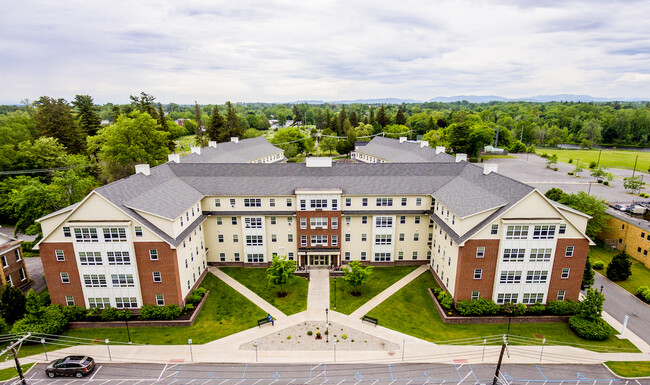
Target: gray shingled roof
x=173, y=187
x=245, y=151
x=407, y=152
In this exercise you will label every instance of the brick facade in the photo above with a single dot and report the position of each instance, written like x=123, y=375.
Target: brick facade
x=467, y=262
x=166, y=264
x=576, y=263
x=12, y=253
x=54, y=268
x=628, y=237
x=329, y=231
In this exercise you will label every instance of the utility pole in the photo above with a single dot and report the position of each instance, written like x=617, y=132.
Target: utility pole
x=12, y=347
x=634, y=171
x=598, y=164
x=496, y=372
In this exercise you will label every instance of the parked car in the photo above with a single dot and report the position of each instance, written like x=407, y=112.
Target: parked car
x=77, y=366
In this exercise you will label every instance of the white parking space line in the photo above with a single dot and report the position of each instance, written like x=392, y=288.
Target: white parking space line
x=241, y=381
x=163, y=371
x=224, y=381
x=274, y=381
x=257, y=381
x=96, y=371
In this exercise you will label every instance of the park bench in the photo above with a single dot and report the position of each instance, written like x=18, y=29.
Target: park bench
x=369, y=320
x=263, y=321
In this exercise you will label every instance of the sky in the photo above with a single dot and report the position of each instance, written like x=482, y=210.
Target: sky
x=282, y=51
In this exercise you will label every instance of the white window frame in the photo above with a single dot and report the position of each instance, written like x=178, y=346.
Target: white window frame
x=569, y=251
x=160, y=300
x=478, y=273
x=65, y=277
x=153, y=254
x=480, y=252
x=69, y=300
x=157, y=276
x=566, y=273
x=60, y=256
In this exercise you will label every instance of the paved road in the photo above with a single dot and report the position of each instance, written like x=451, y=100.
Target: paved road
x=34, y=267
x=335, y=374
x=620, y=302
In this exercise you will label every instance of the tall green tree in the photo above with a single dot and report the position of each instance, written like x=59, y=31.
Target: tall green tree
x=588, y=276
x=233, y=127
x=54, y=118
x=87, y=114
x=589, y=205
x=134, y=139
x=217, y=126
x=281, y=272
x=459, y=138
x=382, y=117
x=12, y=304
x=399, y=117
x=620, y=268
x=144, y=103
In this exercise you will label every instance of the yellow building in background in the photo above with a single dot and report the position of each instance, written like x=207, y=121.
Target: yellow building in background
x=628, y=233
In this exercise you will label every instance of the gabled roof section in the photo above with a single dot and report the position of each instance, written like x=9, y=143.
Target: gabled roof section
x=246, y=150
x=406, y=152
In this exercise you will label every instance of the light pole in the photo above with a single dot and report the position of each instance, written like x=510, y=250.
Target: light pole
x=334, y=350
x=44, y=350
x=189, y=342
x=127, y=315
x=327, y=333
x=109, y=349
x=327, y=317
x=601, y=289
x=255, y=343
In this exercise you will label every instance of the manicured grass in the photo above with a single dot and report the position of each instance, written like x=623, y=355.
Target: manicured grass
x=225, y=312
x=381, y=279
x=183, y=143
x=630, y=368
x=640, y=274
x=412, y=311
x=256, y=280
x=608, y=158
x=486, y=157
x=9, y=373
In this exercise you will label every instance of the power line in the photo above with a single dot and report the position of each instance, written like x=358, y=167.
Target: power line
x=44, y=170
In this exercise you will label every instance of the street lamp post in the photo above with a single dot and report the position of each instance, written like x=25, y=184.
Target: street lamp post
x=189, y=342
x=601, y=289
x=255, y=342
x=327, y=317
x=327, y=333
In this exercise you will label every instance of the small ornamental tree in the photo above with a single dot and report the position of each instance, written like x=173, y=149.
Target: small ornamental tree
x=587, y=276
x=633, y=183
x=281, y=272
x=620, y=268
x=356, y=275
x=592, y=306
x=552, y=161
x=12, y=304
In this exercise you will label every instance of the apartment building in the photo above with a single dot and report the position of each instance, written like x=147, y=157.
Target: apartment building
x=402, y=150
x=253, y=150
x=14, y=272
x=148, y=238
x=629, y=234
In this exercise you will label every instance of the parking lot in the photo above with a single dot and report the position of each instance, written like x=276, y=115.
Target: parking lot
x=336, y=374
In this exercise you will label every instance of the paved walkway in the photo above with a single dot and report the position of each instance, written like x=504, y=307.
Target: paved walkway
x=318, y=297
x=620, y=302
x=246, y=292
x=394, y=288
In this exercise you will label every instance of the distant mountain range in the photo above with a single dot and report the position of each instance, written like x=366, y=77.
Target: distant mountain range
x=481, y=99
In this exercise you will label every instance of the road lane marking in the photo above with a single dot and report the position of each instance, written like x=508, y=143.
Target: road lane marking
x=244, y=374
x=94, y=374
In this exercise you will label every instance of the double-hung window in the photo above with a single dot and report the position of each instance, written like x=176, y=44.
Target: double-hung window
x=383, y=239
x=544, y=232
x=517, y=232
x=318, y=223
x=95, y=280
x=384, y=202
x=253, y=223
x=114, y=234
x=118, y=258
x=510, y=277
x=122, y=280
x=254, y=240
x=90, y=258
x=85, y=234
x=318, y=240
x=540, y=255
x=252, y=202
x=514, y=255
x=536, y=276
x=384, y=222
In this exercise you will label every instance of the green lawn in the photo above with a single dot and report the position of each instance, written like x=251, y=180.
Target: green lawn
x=412, y=311
x=382, y=278
x=640, y=274
x=608, y=158
x=225, y=312
x=488, y=157
x=183, y=143
x=630, y=368
x=256, y=280
x=9, y=373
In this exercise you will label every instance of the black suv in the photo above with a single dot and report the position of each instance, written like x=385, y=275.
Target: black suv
x=77, y=366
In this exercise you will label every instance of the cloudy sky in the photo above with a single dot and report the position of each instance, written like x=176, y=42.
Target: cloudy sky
x=280, y=51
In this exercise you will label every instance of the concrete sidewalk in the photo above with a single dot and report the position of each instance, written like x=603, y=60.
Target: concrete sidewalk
x=246, y=292
x=318, y=297
x=392, y=289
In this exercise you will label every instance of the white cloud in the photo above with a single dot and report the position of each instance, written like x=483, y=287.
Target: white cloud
x=278, y=51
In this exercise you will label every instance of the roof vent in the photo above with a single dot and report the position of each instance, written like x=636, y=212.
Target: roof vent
x=195, y=150
x=402, y=139
x=440, y=149
x=490, y=167
x=424, y=143
x=143, y=169
x=461, y=157
x=319, y=162
x=234, y=139
x=212, y=144
x=174, y=158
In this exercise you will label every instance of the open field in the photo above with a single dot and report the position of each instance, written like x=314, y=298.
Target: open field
x=630, y=368
x=256, y=280
x=640, y=274
x=608, y=158
x=414, y=304
x=225, y=312
x=381, y=279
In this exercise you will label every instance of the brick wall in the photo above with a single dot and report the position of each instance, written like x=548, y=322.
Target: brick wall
x=13, y=266
x=633, y=239
x=575, y=263
x=53, y=268
x=167, y=265
x=467, y=262
x=329, y=231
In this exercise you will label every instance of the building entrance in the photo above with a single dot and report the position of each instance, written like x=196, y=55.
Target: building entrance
x=319, y=260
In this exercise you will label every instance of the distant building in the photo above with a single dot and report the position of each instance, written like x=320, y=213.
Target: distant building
x=13, y=264
x=628, y=233
x=387, y=150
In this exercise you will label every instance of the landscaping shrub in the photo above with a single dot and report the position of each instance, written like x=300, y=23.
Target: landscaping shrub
x=196, y=296
x=49, y=320
x=344, y=336
x=189, y=307
x=595, y=329
x=477, y=307
x=520, y=309
x=544, y=155
x=555, y=168
x=473, y=159
x=3, y=325
x=110, y=314
x=153, y=312
x=445, y=299
x=536, y=309
x=309, y=333
x=598, y=265
x=593, y=164
x=600, y=181
x=606, y=183
x=620, y=268
x=531, y=149
x=570, y=173
x=570, y=160
x=643, y=292
x=567, y=307
x=74, y=313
